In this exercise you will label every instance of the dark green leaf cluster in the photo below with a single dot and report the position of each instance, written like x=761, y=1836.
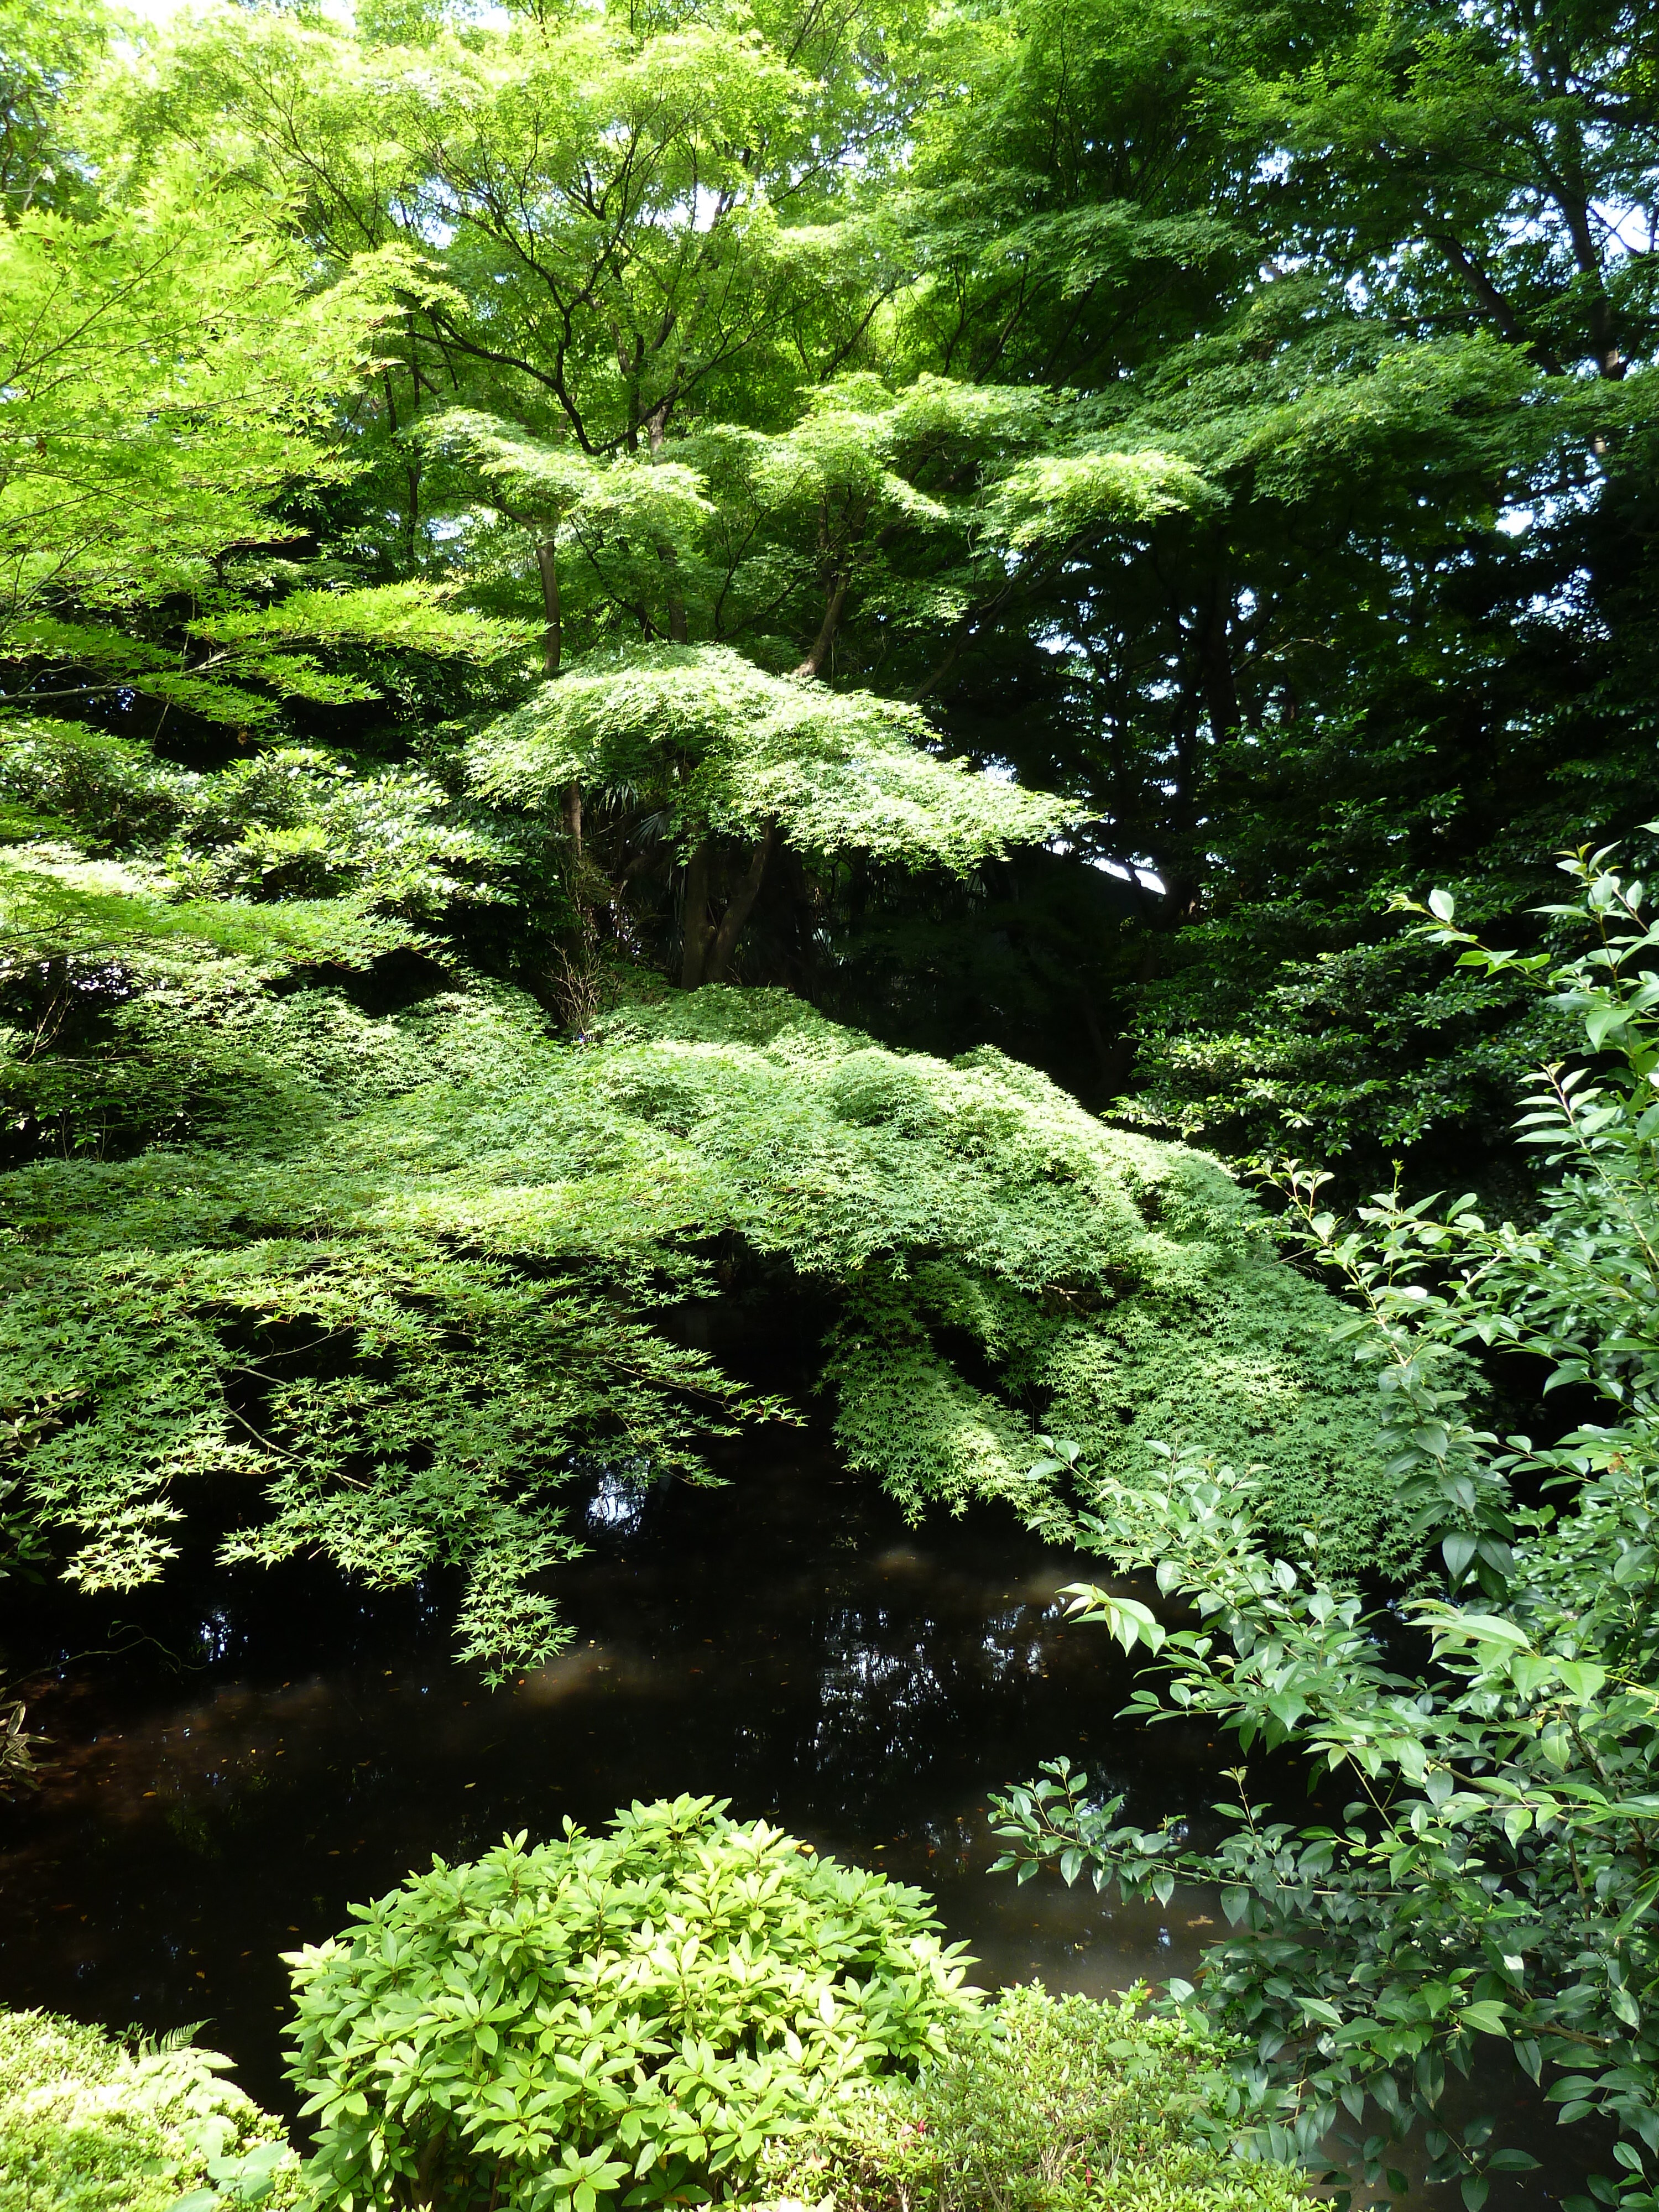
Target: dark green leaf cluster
x=1492, y=1874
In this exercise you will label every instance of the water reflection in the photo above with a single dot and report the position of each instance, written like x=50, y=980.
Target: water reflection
x=620, y=1495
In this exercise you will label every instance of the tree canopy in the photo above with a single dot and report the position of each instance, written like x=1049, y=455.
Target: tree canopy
x=1237, y=425
x=1022, y=528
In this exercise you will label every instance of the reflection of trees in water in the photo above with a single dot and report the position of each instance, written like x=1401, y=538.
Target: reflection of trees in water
x=880, y=1701
x=618, y=1502
x=898, y=1715
x=620, y=1492
x=215, y=1634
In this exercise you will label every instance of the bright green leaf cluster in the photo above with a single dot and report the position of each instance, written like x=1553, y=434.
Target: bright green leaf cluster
x=627, y=2019
x=86, y=2125
x=722, y=744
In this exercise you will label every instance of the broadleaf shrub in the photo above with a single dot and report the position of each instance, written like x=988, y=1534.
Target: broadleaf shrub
x=621, y=2019
x=1041, y=2105
x=1493, y=1873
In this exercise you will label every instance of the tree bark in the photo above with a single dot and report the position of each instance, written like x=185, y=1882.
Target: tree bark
x=670, y=561
x=694, y=931
x=553, y=633
x=1104, y=1060
x=814, y=663
x=656, y=429
x=1119, y=1060
x=1503, y=315
x=742, y=905
x=547, y=564
x=1215, y=664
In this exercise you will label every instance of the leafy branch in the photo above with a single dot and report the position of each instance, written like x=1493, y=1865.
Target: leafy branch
x=1497, y=1870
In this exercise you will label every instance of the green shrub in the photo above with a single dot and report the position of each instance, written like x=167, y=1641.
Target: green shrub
x=1495, y=1869
x=1041, y=2105
x=86, y=2125
x=626, y=2018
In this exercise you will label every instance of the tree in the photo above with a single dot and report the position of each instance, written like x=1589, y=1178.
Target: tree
x=1357, y=666
x=168, y=382
x=705, y=743
x=1027, y=530
x=632, y=208
x=1272, y=250
x=47, y=50
x=165, y=381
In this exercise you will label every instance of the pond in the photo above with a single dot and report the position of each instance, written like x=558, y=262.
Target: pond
x=281, y=1744
x=238, y=1756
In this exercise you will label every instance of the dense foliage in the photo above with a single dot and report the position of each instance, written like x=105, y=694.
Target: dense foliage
x=623, y=2017
x=614, y=623
x=1038, y=2104
x=1239, y=424
x=1493, y=1874
x=406, y=1271
x=88, y=2124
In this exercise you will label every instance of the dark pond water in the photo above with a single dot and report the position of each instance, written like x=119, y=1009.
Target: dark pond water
x=284, y=1745
x=242, y=1754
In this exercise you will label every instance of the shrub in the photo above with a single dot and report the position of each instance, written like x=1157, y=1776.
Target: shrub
x=625, y=2017
x=1042, y=2104
x=62, y=777
x=86, y=2126
x=1496, y=1870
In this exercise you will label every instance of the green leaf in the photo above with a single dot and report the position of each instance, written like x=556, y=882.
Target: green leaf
x=1459, y=1549
x=1480, y=1628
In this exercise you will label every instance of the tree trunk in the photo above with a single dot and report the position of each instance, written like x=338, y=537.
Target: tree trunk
x=553, y=633
x=814, y=663
x=670, y=561
x=694, y=931
x=1119, y=1059
x=741, y=906
x=1215, y=664
x=547, y=563
x=1104, y=1061
x=656, y=429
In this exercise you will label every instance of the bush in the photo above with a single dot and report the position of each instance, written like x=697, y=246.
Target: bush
x=58, y=778
x=86, y=2126
x=626, y=2018
x=1496, y=1870
x=1042, y=2104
